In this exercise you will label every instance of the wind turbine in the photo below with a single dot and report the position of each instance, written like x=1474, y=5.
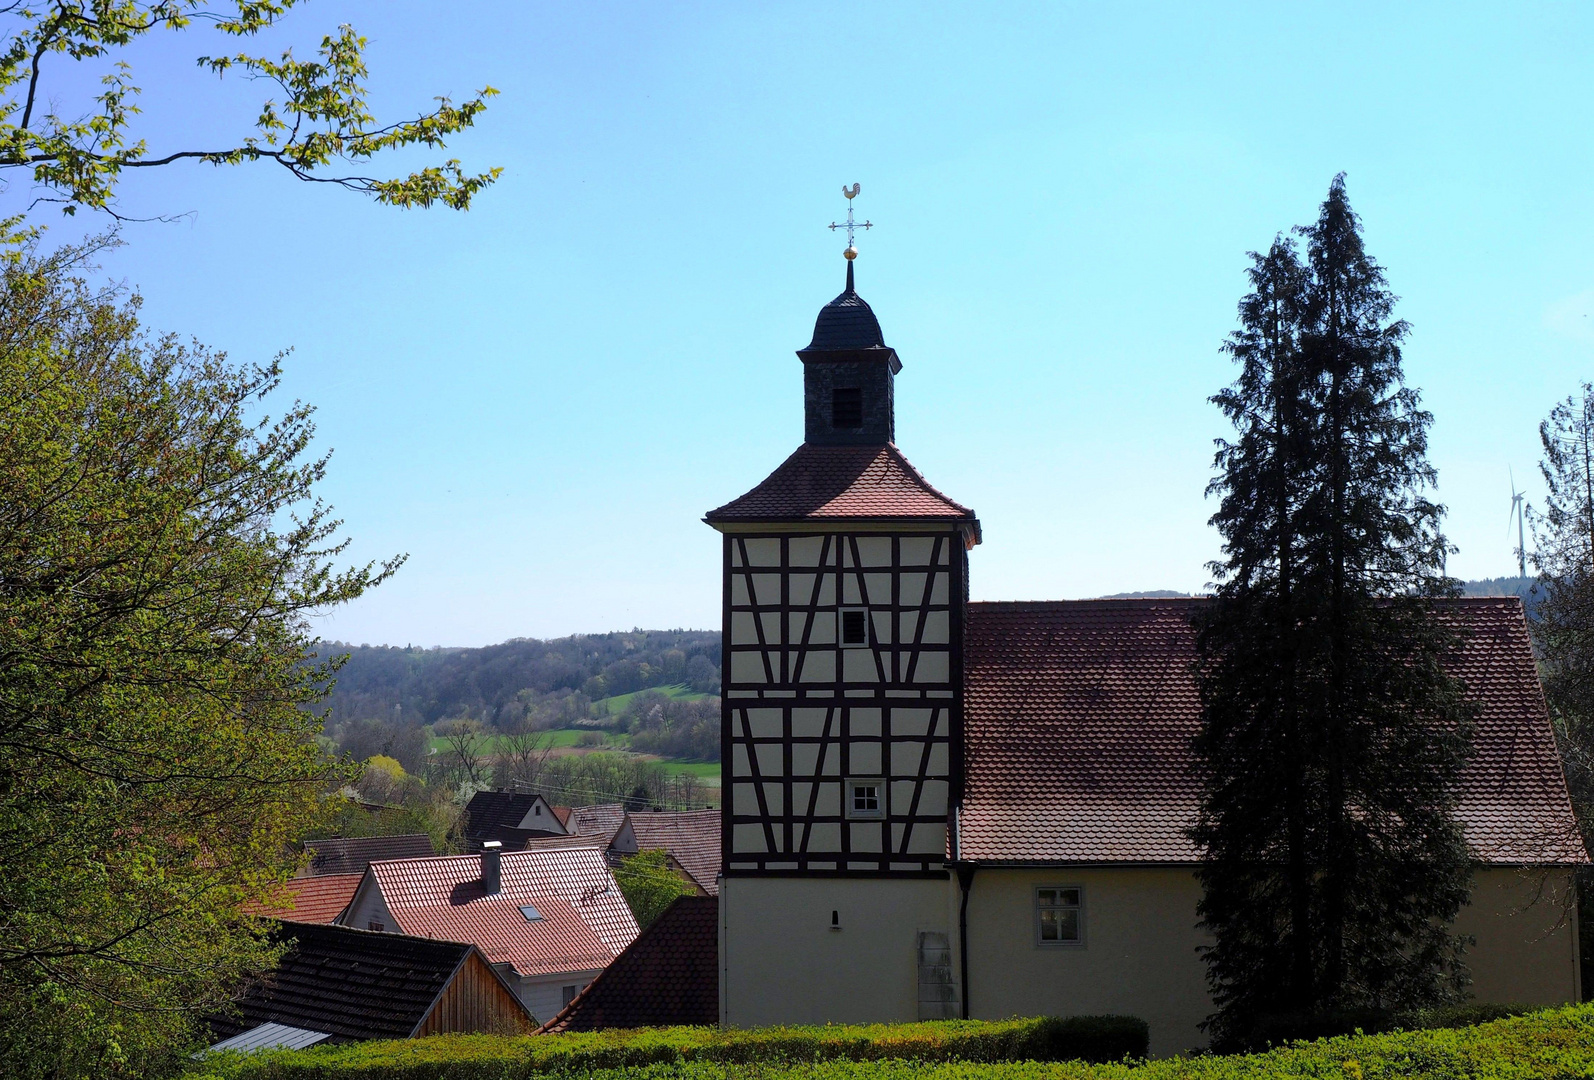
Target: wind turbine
x=1516, y=512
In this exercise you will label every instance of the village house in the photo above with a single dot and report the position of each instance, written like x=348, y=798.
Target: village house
x=352, y=854
x=936, y=808
x=668, y=976
x=548, y=919
x=691, y=839
x=336, y=984
x=513, y=818
x=321, y=899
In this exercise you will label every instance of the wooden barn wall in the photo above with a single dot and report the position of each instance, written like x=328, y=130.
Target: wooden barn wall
x=475, y=1001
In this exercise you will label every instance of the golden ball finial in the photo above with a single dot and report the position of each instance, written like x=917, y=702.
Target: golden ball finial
x=850, y=254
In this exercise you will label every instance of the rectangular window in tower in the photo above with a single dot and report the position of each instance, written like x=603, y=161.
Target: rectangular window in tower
x=866, y=799
x=854, y=628
x=846, y=407
x=1060, y=915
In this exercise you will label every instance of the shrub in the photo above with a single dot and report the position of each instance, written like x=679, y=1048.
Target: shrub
x=1284, y=1028
x=468, y=1057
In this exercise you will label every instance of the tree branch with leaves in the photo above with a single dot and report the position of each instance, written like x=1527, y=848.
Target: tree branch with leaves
x=317, y=126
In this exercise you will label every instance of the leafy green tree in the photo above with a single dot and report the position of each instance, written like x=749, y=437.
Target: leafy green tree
x=1332, y=737
x=1563, y=611
x=1563, y=535
x=650, y=885
x=161, y=550
x=318, y=126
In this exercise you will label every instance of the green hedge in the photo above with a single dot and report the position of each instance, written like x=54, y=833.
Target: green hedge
x=456, y=1057
x=1291, y=1027
x=1550, y=1045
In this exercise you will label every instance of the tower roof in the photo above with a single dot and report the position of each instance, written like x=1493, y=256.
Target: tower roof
x=845, y=483
x=846, y=324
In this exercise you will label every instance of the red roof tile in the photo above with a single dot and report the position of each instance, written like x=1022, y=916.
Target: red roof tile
x=1079, y=716
x=352, y=854
x=602, y=820
x=669, y=975
x=584, y=920
x=315, y=899
x=824, y=483
x=691, y=836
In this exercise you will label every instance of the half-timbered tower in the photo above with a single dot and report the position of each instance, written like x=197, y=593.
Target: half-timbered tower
x=845, y=582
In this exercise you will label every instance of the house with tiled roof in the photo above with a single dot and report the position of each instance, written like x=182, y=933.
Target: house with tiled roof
x=318, y=899
x=691, y=839
x=352, y=854
x=937, y=808
x=335, y=984
x=550, y=919
x=668, y=976
x=512, y=818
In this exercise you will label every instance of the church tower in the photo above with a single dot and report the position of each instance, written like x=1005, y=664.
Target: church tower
x=845, y=582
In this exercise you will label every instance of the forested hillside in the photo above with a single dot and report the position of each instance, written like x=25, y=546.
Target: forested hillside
x=524, y=679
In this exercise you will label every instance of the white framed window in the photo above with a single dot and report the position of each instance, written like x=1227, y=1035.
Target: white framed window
x=567, y=994
x=854, y=629
x=1060, y=915
x=866, y=798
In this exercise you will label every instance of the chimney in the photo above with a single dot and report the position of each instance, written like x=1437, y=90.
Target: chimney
x=492, y=855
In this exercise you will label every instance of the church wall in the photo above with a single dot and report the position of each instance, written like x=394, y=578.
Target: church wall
x=1137, y=955
x=1138, y=950
x=1526, y=947
x=781, y=963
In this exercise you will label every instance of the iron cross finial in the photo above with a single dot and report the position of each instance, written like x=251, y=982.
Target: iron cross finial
x=851, y=193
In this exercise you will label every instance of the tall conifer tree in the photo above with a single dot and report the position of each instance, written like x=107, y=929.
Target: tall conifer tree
x=1332, y=736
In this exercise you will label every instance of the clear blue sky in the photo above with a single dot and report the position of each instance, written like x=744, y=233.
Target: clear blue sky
x=538, y=400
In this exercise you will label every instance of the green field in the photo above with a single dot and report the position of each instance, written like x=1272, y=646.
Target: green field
x=703, y=770
x=614, y=706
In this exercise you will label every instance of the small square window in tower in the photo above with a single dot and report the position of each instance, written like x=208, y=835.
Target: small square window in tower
x=866, y=799
x=854, y=628
x=846, y=408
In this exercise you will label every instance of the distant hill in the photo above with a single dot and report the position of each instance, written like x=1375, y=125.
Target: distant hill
x=1498, y=586
x=524, y=679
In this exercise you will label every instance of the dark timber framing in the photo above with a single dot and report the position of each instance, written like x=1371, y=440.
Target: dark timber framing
x=921, y=719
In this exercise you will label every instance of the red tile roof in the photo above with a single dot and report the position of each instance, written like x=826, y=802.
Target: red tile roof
x=691, y=836
x=842, y=483
x=669, y=975
x=359, y=984
x=315, y=899
x=1079, y=716
x=584, y=922
x=602, y=820
x=352, y=854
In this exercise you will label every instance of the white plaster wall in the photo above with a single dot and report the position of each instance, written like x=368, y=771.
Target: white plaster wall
x=1526, y=947
x=544, y=994
x=1138, y=956
x=781, y=963
x=368, y=907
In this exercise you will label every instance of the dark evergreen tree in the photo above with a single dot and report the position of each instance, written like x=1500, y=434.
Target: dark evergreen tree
x=1332, y=737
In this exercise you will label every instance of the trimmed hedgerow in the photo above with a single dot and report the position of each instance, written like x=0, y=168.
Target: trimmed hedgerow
x=1088, y=1038
x=1291, y=1027
x=1551, y=1045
